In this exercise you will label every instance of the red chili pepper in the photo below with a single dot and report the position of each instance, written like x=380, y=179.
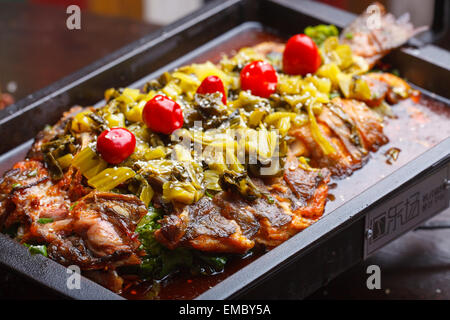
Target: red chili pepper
x=162, y=114
x=301, y=56
x=116, y=144
x=212, y=84
x=260, y=78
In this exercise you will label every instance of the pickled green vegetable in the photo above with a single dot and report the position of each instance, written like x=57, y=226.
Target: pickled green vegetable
x=321, y=32
x=324, y=144
x=221, y=145
x=89, y=163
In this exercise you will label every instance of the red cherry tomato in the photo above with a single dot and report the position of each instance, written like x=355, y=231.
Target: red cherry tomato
x=162, y=114
x=116, y=144
x=212, y=84
x=301, y=55
x=260, y=78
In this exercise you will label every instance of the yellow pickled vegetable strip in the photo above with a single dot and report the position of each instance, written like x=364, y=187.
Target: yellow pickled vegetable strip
x=263, y=144
x=359, y=66
x=344, y=54
x=146, y=194
x=132, y=93
x=182, y=154
x=313, y=92
x=172, y=90
x=204, y=70
x=324, y=144
x=110, y=178
x=155, y=153
x=109, y=93
x=179, y=192
x=135, y=113
x=321, y=84
x=283, y=125
x=267, y=142
x=129, y=96
x=273, y=142
x=115, y=120
x=361, y=90
x=233, y=161
x=214, y=157
x=300, y=120
x=218, y=166
x=99, y=167
x=82, y=123
x=330, y=71
x=187, y=83
x=256, y=117
x=304, y=163
x=65, y=161
x=211, y=180
x=89, y=163
x=345, y=81
x=150, y=95
x=289, y=84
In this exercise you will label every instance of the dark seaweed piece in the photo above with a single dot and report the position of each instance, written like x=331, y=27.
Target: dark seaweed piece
x=210, y=110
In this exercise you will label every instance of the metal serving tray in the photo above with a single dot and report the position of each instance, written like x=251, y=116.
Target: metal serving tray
x=299, y=266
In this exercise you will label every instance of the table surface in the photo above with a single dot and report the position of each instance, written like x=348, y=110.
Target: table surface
x=34, y=53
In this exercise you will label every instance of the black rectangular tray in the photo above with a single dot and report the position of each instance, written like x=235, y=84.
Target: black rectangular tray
x=306, y=261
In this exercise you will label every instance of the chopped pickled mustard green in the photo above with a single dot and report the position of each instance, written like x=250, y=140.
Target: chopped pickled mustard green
x=82, y=122
x=224, y=142
x=110, y=178
x=180, y=192
x=321, y=32
x=324, y=144
x=146, y=194
x=274, y=117
x=115, y=120
x=283, y=125
x=88, y=162
x=288, y=84
x=132, y=93
x=155, y=153
x=65, y=161
x=331, y=72
x=360, y=90
x=255, y=117
x=211, y=180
